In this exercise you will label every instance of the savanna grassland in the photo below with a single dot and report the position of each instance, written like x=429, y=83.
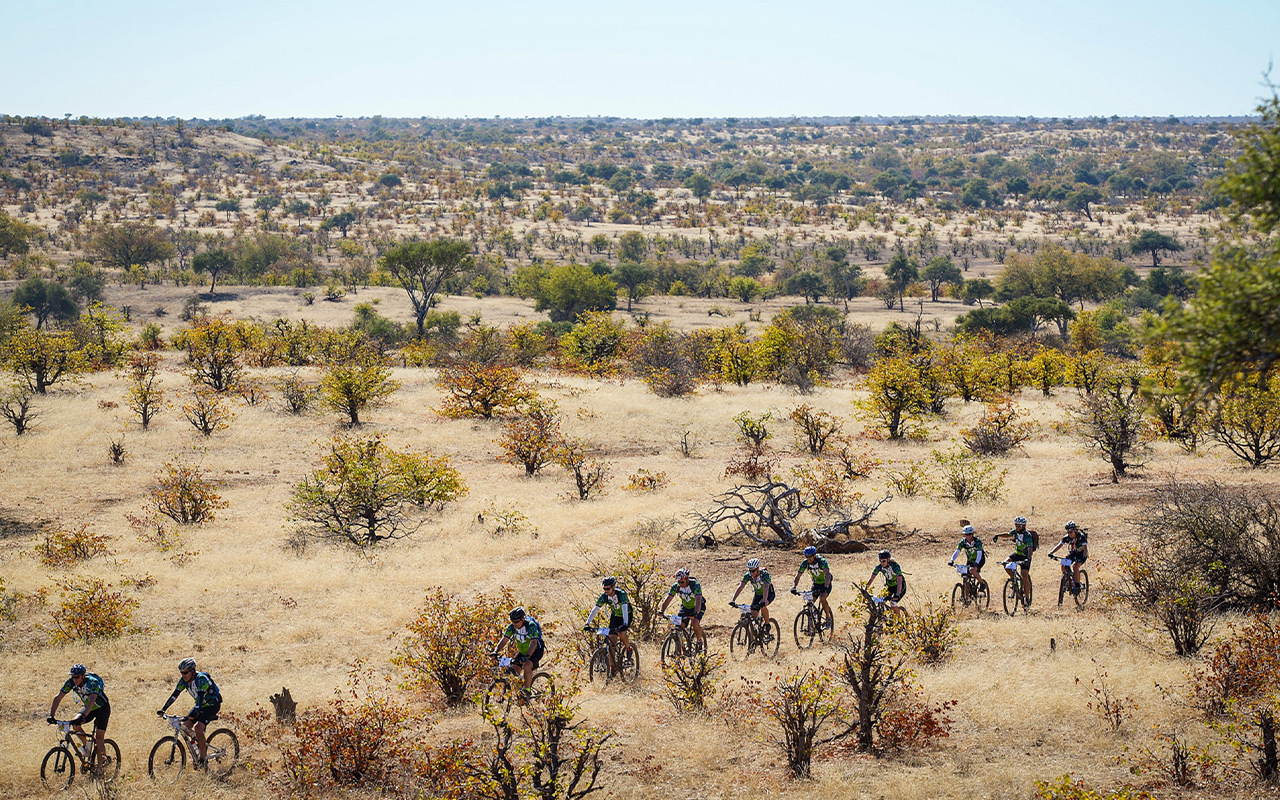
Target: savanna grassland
x=307, y=213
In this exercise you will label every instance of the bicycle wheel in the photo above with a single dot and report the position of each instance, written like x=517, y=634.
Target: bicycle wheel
x=542, y=684
x=1064, y=585
x=222, y=752
x=58, y=768
x=598, y=666
x=672, y=647
x=958, y=597
x=805, y=629
x=740, y=641
x=109, y=768
x=770, y=639
x=497, y=698
x=1082, y=596
x=982, y=595
x=167, y=760
x=1011, y=597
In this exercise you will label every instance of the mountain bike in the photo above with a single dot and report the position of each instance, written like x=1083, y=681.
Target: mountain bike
x=970, y=591
x=168, y=756
x=613, y=660
x=681, y=642
x=1013, y=597
x=509, y=686
x=1064, y=585
x=751, y=635
x=59, y=766
x=812, y=622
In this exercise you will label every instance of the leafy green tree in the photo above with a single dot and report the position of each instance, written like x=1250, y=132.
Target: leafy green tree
x=633, y=277
x=358, y=381
x=213, y=263
x=1154, y=243
x=265, y=203
x=131, y=244
x=755, y=261
x=743, y=288
x=227, y=207
x=46, y=300
x=901, y=271
x=568, y=290
x=343, y=220
x=807, y=284
x=1082, y=198
x=939, y=271
x=90, y=199
x=700, y=185
x=422, y=268
x=977, y=290
x=978, y=193
x=1053, y=271
x=1232, y=324
x=632, y=246
x=15, y=236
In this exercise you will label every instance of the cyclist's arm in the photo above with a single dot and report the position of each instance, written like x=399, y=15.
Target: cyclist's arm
x=592, y=615
x=626, y=613
x=57, y=701
x=741, y=586
x=954, y=556
x=177, y=691
x=699, y=603
x=1055, y=548
x=826, y=576
x=799, y=572
x=666, y=603
x=497, y=646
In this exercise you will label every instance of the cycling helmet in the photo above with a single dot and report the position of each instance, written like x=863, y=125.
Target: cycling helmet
x=186, y=664
x=517, y=614
x=810, y=551
x=753, y=564
x=78, y=669
x=968, y=530
x=1071, y=526
x=1019, y=520
x=609, y=582
x=682, y=573
x=883, y=555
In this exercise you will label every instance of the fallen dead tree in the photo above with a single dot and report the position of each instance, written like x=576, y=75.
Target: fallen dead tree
x=766, y=513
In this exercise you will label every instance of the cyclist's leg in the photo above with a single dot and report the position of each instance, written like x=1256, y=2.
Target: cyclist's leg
x=626, y=640
x=1026, y=578
x=100, y=716
x=697, y=629
x=202, y=746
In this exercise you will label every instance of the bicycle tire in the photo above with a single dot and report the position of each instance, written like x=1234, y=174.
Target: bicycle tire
x=541, y=683
x=222, y=752
x=1011, y=597
x=627, y=665
x=58, y=769
x=672, y=647
x=110, y=761
x=598, y=666
x=769, y=649
x=958, y=597
x=740, y=641
x=162, y=766
x=803, y=629
x=1062, y=589
x=982, y=595
x=1082, y=596
x=497, y=698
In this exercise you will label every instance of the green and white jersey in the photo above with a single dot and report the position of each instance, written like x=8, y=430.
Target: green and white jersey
x=971, y=550
x=1023, y=543
x=618, y=604
x=201, y=687
x=688, y=594
x=892, y=574
x=759, y=583
x=92, y=685
x=817, y=570
x=523, y=637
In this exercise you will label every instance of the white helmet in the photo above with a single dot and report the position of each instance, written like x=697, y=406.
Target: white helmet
x=753, y=564
x=1019, y=520
x=968, y=530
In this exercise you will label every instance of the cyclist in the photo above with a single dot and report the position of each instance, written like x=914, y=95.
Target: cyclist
x=525, y=632
x=208, y=702
x=821, y=574
x=762, y=585
x=1025, y=543
x=692, y=604
x=974, y=555
x=97, y=709
x=1077, y=543
x=619, y=606
x=895, y=584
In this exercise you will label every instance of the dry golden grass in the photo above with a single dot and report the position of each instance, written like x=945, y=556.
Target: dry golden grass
x=261, y=616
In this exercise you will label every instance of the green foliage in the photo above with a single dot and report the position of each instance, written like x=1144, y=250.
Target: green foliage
x=90, y=609
x=931, y=636
x=43, y=358
x=483, y=391
x=1246, y=420
x=965, y=476
x=16, y=236
x=356, y=382
x=1154, y=243
x=365, y=493
x=213, y=263
x=897, y=400
x=594, y=344
x=131, y=244
x=422, y=268
x=1111, y=419
x=46, y=301
x=1066, y=789
x=570, y=290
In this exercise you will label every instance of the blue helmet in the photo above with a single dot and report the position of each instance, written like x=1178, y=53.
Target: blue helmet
x=78, y=669
x=810, y=551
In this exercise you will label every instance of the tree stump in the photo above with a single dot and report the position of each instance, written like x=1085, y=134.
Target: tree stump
x=284, y=704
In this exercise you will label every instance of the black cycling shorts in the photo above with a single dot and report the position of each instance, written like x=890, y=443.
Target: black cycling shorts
x=534, y=657
x=899, y=590
x=1078, y=558
x=616, y=625
x=760, y=602
x=1022, y=561
x=821, y=590
x=689, y=612
x=100, y=716
x=980, y=562
x=206, y=715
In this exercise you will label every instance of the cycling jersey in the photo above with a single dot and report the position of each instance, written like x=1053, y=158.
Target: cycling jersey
x=524, y=637
x=201, y=687
x=817, y=570
x=618, y=604
x=92, y=685
x=892, y=574
x=973, y=552
x=1023, y=543
x=1078, y=544
x=758, y=584
x=688, y=594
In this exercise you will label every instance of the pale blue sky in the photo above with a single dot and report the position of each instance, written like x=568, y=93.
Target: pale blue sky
x=646, y=59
